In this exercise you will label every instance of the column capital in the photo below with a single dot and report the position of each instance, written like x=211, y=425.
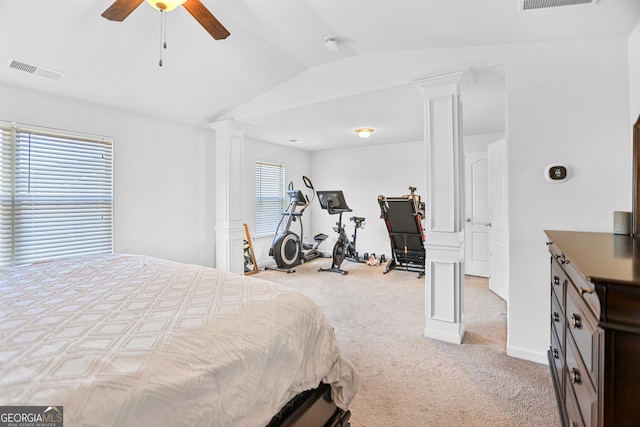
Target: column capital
x=228, y=125
x=452, y=82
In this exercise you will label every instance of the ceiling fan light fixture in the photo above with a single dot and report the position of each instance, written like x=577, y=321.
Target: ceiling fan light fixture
x=166, y=5
x=364, y=132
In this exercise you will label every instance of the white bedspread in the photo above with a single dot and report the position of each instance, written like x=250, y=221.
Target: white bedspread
x=123, y=340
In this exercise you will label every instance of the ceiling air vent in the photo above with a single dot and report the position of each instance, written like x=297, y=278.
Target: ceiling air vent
x=545, y=4
x=35, y=69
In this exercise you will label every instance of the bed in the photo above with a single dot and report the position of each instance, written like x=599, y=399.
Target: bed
x=134, y=340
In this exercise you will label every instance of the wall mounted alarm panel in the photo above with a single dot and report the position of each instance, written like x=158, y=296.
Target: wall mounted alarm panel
x=556, y=173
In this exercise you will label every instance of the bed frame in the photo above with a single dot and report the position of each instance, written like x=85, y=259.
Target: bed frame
x=312, y=408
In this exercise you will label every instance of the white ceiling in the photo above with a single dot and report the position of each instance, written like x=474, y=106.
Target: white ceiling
x=274, y=73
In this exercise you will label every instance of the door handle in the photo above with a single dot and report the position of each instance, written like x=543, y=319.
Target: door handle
x=467, y=220
x=487, y=224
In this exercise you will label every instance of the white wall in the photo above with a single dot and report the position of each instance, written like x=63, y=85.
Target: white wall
x=297, y=163
x=566, y=102
x=479, y=143
x=634, y=73
x=164, y=199
x=364, y=173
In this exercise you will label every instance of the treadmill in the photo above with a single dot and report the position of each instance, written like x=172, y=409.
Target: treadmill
x=403, y=218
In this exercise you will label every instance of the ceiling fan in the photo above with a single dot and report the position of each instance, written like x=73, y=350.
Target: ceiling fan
x=120, y=9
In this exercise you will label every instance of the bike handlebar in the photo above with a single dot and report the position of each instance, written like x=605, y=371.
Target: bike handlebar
x=307, y=182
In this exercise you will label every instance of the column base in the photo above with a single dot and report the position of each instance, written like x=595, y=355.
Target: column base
x=229, y=249
x=443, y=331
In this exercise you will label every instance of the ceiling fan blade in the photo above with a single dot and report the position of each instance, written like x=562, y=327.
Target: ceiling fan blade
x=120, y=9
x=206, y=19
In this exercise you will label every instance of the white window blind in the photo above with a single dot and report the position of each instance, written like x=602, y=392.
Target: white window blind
x=56, y=194
x=270, y=197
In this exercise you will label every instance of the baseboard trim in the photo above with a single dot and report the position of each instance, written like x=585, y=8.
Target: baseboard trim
x=525, y=354
x=453, y=334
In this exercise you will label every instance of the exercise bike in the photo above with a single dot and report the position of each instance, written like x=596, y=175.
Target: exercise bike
x=288, y=249
x=334, y=203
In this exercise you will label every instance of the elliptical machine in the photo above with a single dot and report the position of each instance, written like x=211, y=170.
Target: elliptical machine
x=288, y=249
x=334, y=203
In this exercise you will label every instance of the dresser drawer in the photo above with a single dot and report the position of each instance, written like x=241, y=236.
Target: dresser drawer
x=586, y=288
x=557, y=353
x=577, y=381
x=574, y=417
x=558, y=281
x=582, y=326
x=557, y=320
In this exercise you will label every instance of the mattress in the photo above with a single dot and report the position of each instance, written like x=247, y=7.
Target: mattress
x=133, y=340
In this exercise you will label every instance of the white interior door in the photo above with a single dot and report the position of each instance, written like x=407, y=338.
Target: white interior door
x=476, y=228
x=498, y=218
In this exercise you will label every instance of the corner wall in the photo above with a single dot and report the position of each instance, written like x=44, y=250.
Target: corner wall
x=164, y=192
x=566, y=102
x=297, y=163
x=363, y=173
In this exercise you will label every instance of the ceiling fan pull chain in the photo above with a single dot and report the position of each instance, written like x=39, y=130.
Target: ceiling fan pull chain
x=163, y=35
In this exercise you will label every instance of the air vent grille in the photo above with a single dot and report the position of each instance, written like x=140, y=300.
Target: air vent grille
x=35, y=69
x=544, y=4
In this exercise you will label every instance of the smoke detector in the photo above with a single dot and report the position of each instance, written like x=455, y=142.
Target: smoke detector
x=35, y=69
x=545, y=4
x=331, y=43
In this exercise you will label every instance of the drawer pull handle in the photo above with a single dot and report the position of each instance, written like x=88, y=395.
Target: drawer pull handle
x=574, y=374
x=556, y=280
x=576, y=322
x=556, y=316
x=586, y=291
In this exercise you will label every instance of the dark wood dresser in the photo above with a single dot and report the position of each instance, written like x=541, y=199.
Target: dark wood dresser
x=595, y=327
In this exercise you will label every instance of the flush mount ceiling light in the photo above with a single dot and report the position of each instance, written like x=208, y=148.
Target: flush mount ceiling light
x=166, y=5
x=364, y=132
x=331, y=43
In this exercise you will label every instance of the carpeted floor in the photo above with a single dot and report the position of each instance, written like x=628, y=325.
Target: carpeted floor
x=409, y=380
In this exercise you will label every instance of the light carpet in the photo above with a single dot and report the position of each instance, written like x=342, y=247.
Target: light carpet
x=407, y=379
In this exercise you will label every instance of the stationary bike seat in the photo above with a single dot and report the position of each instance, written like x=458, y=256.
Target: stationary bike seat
x=320, y=237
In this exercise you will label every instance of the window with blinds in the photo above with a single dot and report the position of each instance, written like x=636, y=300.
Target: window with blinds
x=56, y=194
x=270, y=197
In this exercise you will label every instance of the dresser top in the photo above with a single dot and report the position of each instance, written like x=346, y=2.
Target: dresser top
x=600, y=257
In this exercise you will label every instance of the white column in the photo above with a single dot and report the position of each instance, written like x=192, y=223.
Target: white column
x=444, y=243
x=228, y=171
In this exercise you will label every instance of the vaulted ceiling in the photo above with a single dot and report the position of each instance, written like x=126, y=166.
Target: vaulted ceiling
x=274, y=73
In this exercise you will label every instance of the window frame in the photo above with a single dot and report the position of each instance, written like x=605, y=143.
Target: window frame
x=56, y=194
x=275, y=191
